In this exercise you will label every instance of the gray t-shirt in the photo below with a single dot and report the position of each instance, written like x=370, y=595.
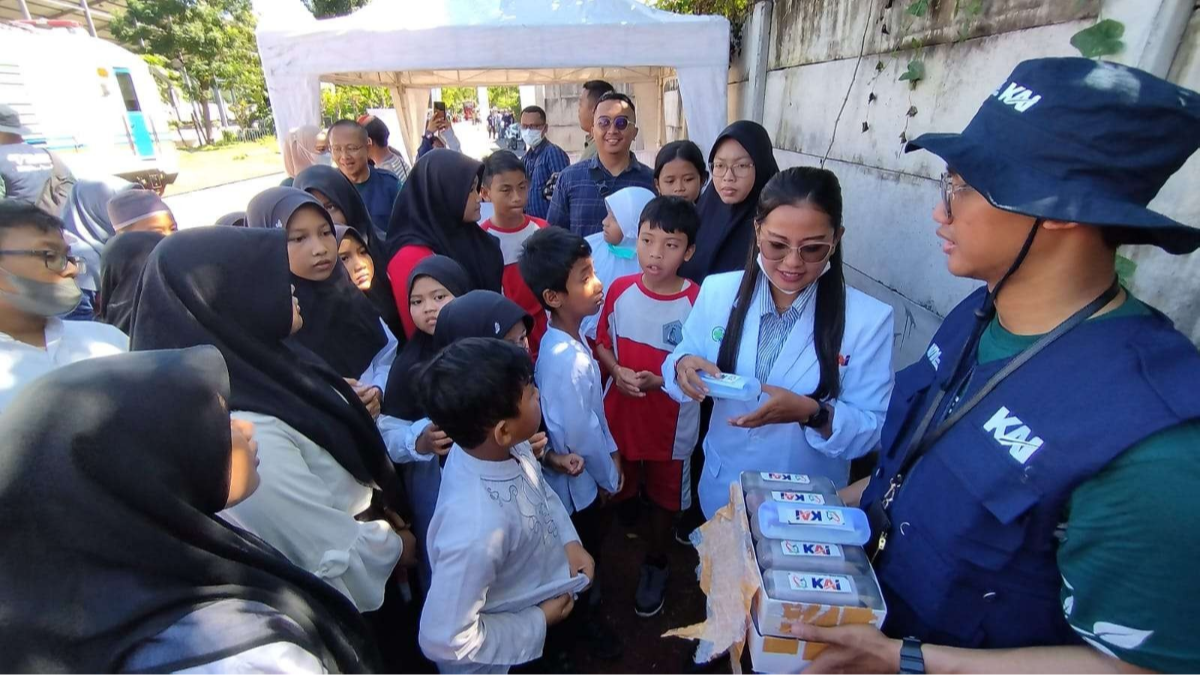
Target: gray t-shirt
x=25, y=170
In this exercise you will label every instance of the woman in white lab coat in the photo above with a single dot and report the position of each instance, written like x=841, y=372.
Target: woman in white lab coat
x=822, y=351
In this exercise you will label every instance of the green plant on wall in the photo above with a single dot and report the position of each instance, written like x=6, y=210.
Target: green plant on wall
x=1102, y=39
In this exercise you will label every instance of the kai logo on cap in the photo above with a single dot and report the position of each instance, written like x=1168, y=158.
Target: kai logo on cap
x=1020, y=98
x=823, y=583
x=809, y=549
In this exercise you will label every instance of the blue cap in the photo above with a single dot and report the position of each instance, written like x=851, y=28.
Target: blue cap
x=1078, y=140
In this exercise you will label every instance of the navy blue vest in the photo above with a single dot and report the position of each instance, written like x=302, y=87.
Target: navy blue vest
x=971, y=557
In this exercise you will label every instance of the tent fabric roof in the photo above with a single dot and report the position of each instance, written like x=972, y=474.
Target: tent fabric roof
x=428, y=43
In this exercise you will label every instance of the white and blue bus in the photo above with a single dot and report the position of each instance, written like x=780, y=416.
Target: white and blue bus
x=93, y=103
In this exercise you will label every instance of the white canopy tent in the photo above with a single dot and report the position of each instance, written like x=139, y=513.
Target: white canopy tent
x=411, y=46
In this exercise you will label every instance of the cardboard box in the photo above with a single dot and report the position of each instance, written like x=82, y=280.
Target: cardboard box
x=772, y=654
x=777, y=618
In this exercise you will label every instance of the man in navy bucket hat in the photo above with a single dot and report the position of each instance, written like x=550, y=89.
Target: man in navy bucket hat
x=1035, y=504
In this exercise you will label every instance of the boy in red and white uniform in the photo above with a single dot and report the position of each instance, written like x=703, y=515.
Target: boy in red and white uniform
x=640, y=324
x=506, y=186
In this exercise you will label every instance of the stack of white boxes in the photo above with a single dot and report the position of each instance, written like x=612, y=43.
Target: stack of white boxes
x=812, y=568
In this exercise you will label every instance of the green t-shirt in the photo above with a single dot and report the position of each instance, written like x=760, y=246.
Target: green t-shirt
x=1131, y=532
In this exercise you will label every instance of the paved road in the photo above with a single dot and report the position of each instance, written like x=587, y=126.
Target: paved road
x=203, y=207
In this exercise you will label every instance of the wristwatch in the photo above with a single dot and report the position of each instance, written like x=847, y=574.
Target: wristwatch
x=911, y=658
x=819, y=418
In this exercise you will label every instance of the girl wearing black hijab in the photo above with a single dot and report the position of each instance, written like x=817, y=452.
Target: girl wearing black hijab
x=437, y=212
x=412, y=440
x=345, y=206
x=742, y=161
x=319, y=450
x=340, y=324
x=126, y=569
x=121, y=264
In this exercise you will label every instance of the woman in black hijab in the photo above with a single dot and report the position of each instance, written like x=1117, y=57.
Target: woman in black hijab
x=320, y=452
x=412, y=440
x=437, y=212
x=121, y=265
x=345, y=206
x=125, y=569
x=340, y=324
x=742, y=161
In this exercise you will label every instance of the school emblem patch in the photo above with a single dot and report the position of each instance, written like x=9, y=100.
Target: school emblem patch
x=718, y=333
x=672, y=333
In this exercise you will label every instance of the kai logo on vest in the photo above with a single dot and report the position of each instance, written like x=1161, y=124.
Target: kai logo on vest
x=1020, y=98
x=1012, y=433
x=935, y=356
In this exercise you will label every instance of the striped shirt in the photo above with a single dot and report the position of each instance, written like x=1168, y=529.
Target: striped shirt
x=774, y=328
x=542, y=162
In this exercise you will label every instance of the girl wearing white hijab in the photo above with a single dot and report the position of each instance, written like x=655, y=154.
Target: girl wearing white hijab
x=614, y=249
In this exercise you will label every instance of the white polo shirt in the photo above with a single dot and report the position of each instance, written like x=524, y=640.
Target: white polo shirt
x=66, y=343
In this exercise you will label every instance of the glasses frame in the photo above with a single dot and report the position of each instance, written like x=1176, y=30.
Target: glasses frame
x=47, y=255
x=742, y=173
x=949, y=189
x=829, y=247
x=604, y=122
x=339, y=149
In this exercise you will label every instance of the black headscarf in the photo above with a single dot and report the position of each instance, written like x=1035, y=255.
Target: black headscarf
x=232, y=219
x=107, y=520
x=429, y=212
x=400, y=398
x=338, y=189
x=229, y=287
x=478, y=314
x=121, y=265
x=727, y=231
x=340, y=324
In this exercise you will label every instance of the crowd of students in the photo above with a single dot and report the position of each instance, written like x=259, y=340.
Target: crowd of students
x=347, y=440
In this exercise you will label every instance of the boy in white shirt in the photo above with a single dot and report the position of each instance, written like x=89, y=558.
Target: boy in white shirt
x=37, y=285
x=556, y=264
x=506, y=559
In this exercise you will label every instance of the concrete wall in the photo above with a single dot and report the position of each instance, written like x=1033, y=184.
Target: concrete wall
x=833, y=93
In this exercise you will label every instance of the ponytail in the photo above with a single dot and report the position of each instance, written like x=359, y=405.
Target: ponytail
x=820, y=189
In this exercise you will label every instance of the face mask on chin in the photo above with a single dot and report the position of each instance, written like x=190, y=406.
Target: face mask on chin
x=39, y=297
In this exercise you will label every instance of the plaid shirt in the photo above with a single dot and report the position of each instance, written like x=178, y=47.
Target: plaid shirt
x=578, y=203
x=541, y=163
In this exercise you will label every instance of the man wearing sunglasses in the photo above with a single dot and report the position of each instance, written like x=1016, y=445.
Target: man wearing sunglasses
x=578, y=203
x=37, y=285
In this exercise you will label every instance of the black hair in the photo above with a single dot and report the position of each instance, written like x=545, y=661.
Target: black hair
x=685, y=150
x=348, y=124
x=547, y=257
x=671, y=214
x=474, y=384
x=820, y=189
x=595, y=89
x=535, y=109
x=501, y=161
x=617, y=96
x=15, y=214
x=378, y=132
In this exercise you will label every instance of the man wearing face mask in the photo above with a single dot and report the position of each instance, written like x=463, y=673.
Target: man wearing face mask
x=543, y=160
x=37, y=285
